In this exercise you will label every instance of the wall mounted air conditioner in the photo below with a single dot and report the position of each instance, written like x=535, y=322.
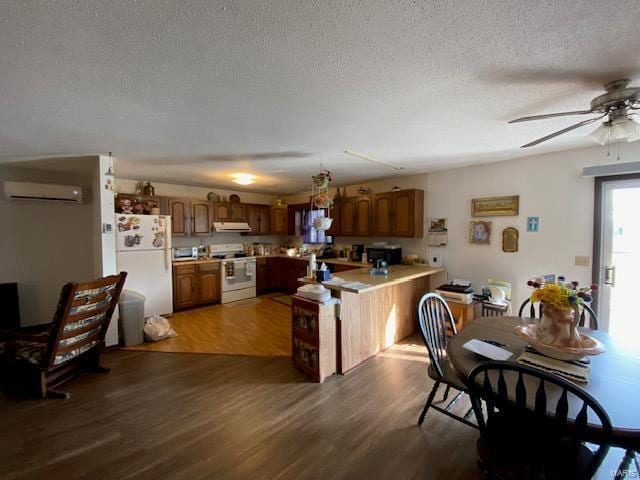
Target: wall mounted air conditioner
x=43, y=192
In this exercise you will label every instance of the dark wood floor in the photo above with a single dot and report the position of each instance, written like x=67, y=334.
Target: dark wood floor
x=191, y=416
x=166, y=415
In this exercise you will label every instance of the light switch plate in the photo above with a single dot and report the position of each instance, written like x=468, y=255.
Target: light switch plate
x=582, y=261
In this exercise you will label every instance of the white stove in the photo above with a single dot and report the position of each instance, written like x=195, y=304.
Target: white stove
x=238, y=272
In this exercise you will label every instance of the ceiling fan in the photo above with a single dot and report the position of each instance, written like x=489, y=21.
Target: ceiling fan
x=617, y=104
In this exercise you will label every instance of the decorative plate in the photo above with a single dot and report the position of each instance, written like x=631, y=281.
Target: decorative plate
x=592, y=346
x=233, y=198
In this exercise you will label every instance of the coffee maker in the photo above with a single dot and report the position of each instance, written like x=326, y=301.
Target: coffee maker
x=356, y=252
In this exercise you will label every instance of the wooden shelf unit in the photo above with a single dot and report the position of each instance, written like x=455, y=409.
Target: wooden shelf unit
x=313, y=337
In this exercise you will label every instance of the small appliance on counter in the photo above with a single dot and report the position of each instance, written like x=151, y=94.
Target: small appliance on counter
x=379, y=267
x=181, y=254
x=392, y=254
x=356, y=252
x=458, y=290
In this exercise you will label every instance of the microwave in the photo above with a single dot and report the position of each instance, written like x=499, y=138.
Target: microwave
x=391, y=255
x=185, y=253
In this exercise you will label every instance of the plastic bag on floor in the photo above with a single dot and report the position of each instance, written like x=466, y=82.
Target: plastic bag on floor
x=157, y=328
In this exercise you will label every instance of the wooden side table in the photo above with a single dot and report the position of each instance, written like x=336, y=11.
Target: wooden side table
x=463, y=313
x=313, y=336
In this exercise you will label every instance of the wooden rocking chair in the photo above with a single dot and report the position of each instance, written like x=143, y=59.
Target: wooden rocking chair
x=39, y=359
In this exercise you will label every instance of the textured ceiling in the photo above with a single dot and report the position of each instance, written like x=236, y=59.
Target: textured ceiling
x=190, y=91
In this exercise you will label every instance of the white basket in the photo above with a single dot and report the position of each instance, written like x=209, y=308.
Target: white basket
x=322, y=223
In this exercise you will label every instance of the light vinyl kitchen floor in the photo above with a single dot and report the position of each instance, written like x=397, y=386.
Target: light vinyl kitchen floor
x=248, y=328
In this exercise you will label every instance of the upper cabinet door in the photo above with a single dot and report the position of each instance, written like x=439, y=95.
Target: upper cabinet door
x=335, y=214
x=278, y=220
x=258, y=219
x=264, y=220
x=348, y=216
x=222, y=212
x=230, y=212
x=200, y=217
x=408, y=213
x=238, y=212
x=180, y=211
x=253, y=218
x=382, y=217
x=363, y=215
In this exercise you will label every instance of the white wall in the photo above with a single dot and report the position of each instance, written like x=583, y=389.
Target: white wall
x=104, y=242
x=45, y=245
x=186, y=191
x=551, y=187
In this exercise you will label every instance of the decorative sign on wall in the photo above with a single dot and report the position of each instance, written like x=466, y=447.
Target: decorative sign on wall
x=495, y=206
x=533, y=224
x=510, y=240
x=480, y=232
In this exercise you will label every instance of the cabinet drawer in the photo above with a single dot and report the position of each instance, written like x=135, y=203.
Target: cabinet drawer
x=185, y=269
x=209, y=267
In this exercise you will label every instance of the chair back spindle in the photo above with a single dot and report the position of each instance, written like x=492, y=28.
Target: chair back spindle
x=527, y=416
x=435, y=321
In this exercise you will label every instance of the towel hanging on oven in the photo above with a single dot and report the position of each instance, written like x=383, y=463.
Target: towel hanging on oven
x=230, y=271
x=248, y=269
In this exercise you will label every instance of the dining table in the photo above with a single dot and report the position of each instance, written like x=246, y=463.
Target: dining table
x=614, y=379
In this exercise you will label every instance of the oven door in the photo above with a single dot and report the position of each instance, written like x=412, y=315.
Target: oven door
x=238, y=274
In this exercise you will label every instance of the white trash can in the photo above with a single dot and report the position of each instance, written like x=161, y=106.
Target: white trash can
x=131, y=306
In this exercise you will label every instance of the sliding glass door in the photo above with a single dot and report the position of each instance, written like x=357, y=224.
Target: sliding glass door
x=617, y=255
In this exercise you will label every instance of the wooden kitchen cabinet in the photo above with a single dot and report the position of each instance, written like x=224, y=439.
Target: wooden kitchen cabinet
x=185, y=288
x=278, y=224
x=201, y=217
x=180, y=211
x=355, y=216
x=196, y=284
x=263, y=276
x=258, y=219
x=347, y=216
x=208, y=282
x=363, y=215
x=407, y=210
x=382, y=218
x=335, y=214
x=229, y=212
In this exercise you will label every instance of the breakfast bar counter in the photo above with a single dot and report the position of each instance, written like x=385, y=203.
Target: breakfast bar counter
x=375, y=317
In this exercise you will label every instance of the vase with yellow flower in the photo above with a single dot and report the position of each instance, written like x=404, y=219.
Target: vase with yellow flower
x=557, y=333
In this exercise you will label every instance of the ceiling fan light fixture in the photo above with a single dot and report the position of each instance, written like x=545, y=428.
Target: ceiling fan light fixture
x=616, y=130
x=243, y=178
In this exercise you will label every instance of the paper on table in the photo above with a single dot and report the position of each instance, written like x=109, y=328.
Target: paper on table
x=356, y=285
x=487, y=350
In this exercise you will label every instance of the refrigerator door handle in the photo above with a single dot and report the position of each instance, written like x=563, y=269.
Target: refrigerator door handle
x=167, y=259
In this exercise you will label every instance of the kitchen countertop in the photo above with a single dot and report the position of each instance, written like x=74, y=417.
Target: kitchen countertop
x=195, y=262
x=397, y=274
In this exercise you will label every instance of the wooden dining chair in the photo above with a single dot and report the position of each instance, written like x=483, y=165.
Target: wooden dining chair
x=527, y=432
x=588, y=317
x=436, y=325
x=39, y=359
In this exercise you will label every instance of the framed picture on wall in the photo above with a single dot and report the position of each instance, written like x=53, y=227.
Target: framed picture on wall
x=479, y=232
x=495, y=206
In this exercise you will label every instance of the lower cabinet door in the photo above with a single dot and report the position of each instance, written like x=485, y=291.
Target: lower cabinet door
x=185, y=291
x=209, y=284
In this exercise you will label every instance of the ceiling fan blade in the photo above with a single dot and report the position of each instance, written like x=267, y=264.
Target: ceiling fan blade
x=564, y=130
x=550, y=115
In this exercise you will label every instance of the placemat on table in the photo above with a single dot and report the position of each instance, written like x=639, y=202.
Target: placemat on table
x=576, y=370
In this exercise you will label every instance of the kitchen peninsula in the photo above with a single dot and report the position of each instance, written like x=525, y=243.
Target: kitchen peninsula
x=373, y=318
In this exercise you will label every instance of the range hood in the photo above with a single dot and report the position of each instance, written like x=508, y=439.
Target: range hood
x=236, y=227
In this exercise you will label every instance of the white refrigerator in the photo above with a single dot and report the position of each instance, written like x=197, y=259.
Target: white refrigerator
x=143, y=250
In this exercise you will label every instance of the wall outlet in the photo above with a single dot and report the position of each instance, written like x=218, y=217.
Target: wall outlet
x=582, y=261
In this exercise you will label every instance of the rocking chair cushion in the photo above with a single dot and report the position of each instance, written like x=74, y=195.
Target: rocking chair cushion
x=23, y=351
